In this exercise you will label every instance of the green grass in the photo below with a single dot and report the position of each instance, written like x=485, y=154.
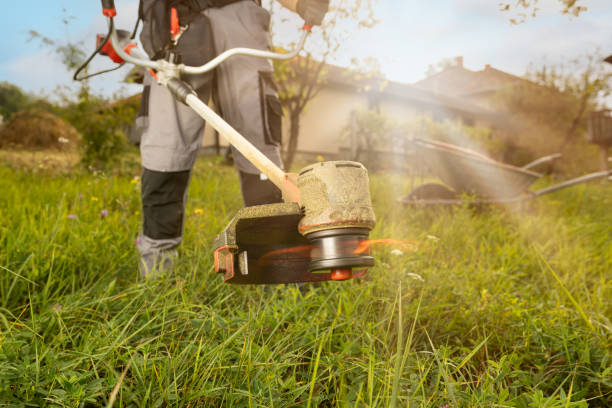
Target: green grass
x=492, y=308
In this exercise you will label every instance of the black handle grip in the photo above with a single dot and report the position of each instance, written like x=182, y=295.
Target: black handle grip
x=108, y=8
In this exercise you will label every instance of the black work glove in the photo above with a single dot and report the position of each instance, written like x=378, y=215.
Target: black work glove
x=312, y=11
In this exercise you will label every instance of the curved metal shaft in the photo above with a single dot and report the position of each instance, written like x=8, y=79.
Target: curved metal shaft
x=141, y=62
x=244, y=51
x=138, y=59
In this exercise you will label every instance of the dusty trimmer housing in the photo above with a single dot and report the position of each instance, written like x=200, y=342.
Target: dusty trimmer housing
x=323, y=237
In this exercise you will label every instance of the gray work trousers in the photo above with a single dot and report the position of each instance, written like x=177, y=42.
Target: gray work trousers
x=247, y=99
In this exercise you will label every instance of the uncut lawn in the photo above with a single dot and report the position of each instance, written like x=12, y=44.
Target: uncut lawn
x=479, y=307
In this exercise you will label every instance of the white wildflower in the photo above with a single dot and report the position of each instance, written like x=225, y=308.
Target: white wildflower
x=415, y=276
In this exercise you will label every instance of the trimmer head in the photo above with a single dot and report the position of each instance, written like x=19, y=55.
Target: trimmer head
x=262, y=245
x=339, y=251
x=326, y=238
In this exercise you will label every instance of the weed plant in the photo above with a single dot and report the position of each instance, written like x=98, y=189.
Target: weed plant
x=486, y=307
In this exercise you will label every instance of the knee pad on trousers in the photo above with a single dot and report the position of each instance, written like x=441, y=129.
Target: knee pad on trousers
x=163, y=203
x=256, y=191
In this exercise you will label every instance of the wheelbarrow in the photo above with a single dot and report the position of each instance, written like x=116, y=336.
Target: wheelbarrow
x=465, y=171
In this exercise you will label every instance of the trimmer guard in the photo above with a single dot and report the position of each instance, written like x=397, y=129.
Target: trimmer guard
x=262, y=245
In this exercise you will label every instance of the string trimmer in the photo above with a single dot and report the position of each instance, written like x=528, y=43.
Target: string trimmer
x=320, y=232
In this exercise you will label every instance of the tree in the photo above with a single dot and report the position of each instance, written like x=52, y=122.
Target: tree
x=300, y=79
x=101, y=124
x=548, y=111
x=587, y=84
x=529, y=8
x=12, y=100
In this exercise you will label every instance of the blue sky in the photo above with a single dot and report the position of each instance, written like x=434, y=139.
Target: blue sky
x=412, y=34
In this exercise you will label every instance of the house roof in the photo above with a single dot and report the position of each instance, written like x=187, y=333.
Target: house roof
x=340, y=76
x=461, y=82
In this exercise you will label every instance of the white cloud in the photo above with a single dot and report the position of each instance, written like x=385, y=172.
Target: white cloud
x=39, y=73
x=42, y=72
x=412, y=35
x=410, y=38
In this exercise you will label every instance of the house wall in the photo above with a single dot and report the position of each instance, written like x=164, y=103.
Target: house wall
x=487, y=100
x=323, y=122
x=397, y=109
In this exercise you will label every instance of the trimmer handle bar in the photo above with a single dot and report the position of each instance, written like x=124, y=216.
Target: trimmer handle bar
x=137, y=57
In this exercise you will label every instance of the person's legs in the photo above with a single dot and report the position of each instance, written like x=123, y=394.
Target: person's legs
x=169, y=148
x=163, y=207
x=257, y=191
x=248, y=101
x=247, y=95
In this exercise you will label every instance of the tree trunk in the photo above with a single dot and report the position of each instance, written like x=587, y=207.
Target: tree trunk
x=292, y=143
x=576, y=121
x=603, y=158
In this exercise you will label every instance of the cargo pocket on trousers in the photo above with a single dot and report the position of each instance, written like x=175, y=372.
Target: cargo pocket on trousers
x=271, y=109
x=134, y=133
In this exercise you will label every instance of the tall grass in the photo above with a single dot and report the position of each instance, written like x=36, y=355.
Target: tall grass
x=492, y=307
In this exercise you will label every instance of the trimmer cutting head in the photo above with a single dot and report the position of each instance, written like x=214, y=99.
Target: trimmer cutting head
x=324, y=238
x=340, y=251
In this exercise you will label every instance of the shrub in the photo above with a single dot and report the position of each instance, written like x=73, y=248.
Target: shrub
x=12, y=99
x=36, y=129
x=103, y=126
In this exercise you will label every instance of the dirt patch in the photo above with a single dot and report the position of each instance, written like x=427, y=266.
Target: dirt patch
x=35, y=129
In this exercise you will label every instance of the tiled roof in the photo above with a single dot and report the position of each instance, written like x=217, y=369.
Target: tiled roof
x=335, y=75
x=459, y=81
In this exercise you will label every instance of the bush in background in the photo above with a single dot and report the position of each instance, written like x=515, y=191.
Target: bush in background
x=371, y=130
x=103, y=125
x=34, y=129
x=94, y=124
x=12, y=99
